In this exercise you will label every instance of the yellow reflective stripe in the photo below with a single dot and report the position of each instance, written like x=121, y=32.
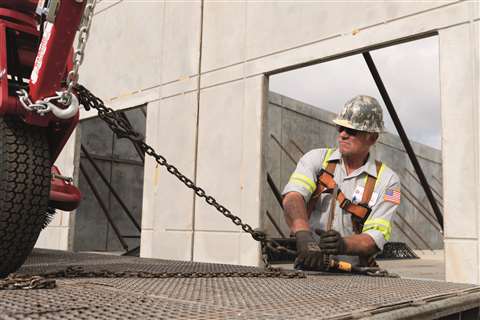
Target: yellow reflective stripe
x=327, y=157
x=305, y=181
x=378, y=175
x=382, y=225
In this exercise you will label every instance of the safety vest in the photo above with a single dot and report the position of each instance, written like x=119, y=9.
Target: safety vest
x=326, y=184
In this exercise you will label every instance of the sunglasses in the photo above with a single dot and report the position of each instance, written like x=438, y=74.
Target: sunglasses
x=350, y=132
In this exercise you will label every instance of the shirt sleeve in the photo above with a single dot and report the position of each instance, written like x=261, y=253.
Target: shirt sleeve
x=304, y=179
x=379, y=223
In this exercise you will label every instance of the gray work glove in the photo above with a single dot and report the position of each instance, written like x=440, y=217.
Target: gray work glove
x=309, y=255
x=331, y=242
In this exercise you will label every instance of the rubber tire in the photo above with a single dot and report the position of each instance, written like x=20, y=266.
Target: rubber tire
x=25, y=172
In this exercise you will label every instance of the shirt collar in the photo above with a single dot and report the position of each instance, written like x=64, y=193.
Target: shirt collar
x=370, y=167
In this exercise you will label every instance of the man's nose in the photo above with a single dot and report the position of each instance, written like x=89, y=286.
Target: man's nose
x=343, y=134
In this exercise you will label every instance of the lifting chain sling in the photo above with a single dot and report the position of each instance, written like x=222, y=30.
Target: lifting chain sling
x=123, y=129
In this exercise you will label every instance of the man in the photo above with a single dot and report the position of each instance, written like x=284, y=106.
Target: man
x=367, y=193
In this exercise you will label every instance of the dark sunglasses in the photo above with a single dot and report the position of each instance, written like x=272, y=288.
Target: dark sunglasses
x=350, y=132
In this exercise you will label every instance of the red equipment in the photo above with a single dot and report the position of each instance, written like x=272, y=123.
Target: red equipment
x=39, y=66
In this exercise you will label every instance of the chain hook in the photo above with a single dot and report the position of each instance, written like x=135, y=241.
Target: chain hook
x=61, y=113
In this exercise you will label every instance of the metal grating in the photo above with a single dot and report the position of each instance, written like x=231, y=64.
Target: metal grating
x=397, y=250
x=317, y=296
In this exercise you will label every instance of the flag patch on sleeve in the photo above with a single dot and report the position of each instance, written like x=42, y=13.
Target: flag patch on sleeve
x=392, y=195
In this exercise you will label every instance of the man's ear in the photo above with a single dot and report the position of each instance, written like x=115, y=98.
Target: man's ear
x=373, y=137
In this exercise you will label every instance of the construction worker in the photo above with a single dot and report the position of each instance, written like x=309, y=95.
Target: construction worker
x=367, y=193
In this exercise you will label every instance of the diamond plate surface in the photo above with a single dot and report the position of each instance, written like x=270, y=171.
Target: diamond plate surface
x=316, y=297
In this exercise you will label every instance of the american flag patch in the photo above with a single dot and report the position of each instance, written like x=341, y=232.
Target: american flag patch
x=392, y=195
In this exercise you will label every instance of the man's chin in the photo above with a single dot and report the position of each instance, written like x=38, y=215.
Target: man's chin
x=343, y=151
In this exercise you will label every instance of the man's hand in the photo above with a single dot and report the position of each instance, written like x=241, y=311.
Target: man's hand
x=331, y=242
x=309, y=255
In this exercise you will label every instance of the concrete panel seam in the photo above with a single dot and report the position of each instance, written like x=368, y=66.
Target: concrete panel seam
x=474, y=34
x=294, y=47
x=218, y=231
x=425, y=11
x=177, y=94
x=108, y=7
x=227, y=82
x=195, y=155
x=458, y=24
x=221, y=68
x=466, y=239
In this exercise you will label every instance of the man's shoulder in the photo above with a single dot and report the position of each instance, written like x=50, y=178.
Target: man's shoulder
x=317, y=154
x=388, y=173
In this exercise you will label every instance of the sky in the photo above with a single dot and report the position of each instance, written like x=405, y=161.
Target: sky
x=410, y=73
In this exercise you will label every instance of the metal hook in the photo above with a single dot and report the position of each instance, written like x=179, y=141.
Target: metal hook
x=66, y=113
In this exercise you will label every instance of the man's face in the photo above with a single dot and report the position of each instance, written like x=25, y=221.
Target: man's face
x=353, y=143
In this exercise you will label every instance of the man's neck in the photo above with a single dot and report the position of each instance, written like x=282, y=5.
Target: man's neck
x=352, y=163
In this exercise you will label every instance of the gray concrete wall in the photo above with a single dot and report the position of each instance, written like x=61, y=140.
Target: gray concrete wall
x=295, y=128
x=201, y=61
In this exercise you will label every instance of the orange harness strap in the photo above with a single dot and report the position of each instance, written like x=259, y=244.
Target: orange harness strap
x=359, y=212
x=326, y=183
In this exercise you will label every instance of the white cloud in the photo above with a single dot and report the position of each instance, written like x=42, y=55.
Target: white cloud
x=410, y=74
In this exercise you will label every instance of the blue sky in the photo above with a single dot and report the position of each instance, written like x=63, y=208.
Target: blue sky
x=410, y=72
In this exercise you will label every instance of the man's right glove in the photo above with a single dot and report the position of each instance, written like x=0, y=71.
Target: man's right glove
x=331, y=242
x=309, y=255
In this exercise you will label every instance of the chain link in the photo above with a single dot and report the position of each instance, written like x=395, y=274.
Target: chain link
x=79, y=54
x=16, y=282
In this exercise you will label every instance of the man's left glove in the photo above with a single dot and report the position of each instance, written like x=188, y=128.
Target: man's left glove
x=309, y=255
x=331, y=242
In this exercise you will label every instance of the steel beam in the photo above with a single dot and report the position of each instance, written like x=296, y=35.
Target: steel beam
x=403, y=136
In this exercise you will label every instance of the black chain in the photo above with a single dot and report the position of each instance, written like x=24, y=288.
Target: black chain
x=46, y=280
x=123, y=129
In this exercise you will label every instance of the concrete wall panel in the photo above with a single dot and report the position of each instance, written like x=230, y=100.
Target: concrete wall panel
x=174, y=245
x=219, y=247
x=460, y=132
x=223, y=34
x=226, y=247
x=220, y=151
x=146, y=243
x=53, y=237
x=252, y=172
x=125, y=27
x=459, y=66
x=171, y=132
x=151, y=171
x=176, y=129
x=181, y=40
x=461, y=263
x=276, y=26
x=231, y=117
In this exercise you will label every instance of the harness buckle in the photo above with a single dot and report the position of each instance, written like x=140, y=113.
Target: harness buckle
x=369, y=210
x=345, y=203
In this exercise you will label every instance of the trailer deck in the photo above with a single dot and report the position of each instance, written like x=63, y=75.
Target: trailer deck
x=319, y=296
